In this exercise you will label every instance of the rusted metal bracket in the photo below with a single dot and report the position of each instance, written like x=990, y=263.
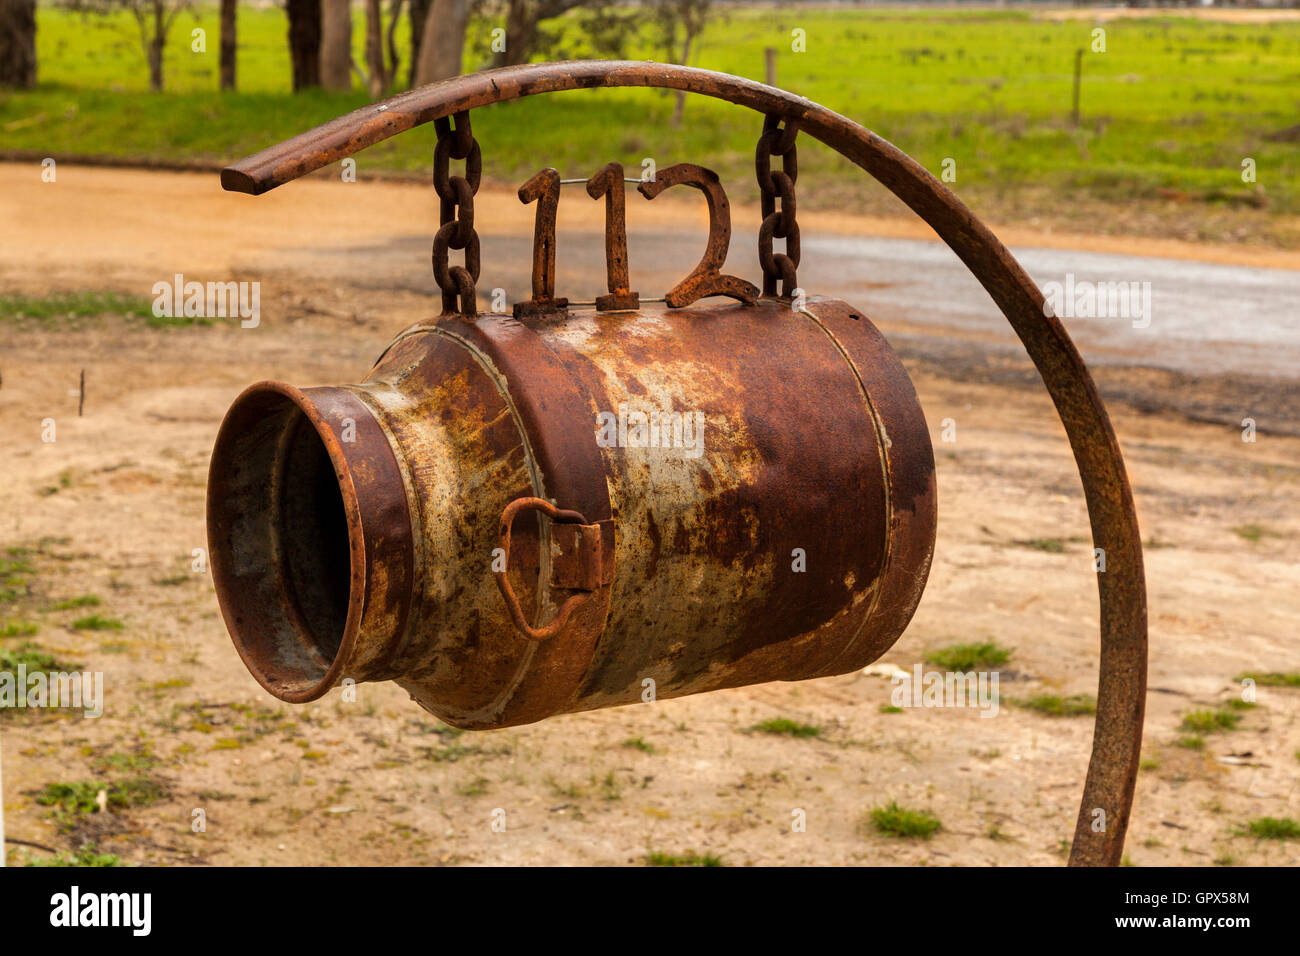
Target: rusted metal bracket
x=582, y=556
x=584, y=562
x=1121, y=690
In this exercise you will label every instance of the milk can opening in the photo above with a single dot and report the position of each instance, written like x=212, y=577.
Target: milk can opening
x=279, y=502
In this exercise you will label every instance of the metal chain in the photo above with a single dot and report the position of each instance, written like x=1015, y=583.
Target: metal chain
x=456, y=214
x=778, y=224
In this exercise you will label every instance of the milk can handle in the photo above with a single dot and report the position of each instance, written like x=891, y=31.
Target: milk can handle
x=571, y=604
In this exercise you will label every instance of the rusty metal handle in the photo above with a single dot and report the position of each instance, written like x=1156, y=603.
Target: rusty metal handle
x=571, y=604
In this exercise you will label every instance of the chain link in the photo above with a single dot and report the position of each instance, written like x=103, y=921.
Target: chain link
x=456, y=214
x=778, y=223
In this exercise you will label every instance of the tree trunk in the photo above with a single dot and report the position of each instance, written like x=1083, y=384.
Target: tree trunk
x=521, y=31
x=442, y=47
x=304, y=42
x=419, y=13
x=156, y=49
x=18, y=43
x=378, y=73
x=228, y=44
x=390, y=41
x=336, y=45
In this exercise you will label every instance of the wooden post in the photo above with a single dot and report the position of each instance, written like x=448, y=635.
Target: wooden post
x=769, y=54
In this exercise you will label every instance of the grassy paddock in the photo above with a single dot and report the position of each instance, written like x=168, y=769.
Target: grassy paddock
x=1169, y=111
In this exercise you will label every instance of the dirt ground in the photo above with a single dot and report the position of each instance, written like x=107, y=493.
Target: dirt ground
x=115, y=506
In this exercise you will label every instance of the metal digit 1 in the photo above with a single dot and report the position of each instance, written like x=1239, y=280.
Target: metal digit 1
x=543, y=189
x=609, y=183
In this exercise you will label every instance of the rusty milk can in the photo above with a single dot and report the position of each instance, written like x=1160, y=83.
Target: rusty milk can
x=578, y=506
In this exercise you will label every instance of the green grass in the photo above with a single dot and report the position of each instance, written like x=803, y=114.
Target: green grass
x=87, y=856
x=18, y=628
x=69, y=307
x=890, y=709
x=68, y=801
x=85, y=600
x=897, y=821
x=64, y=310
x=96, y=622
x=968, y=657
x=1192, y=742
x=1209, y=721
x=784, y=727
x=31, y=657
x=1054, y=705
x=1170, y=110
x=639, y=743
x=1291, y=679
x=15, y=573
x=1049, y=545
x=1272, y=828
x=1253, y=532
x=690, y=858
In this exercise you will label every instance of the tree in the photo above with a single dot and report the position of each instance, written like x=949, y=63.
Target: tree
x=228, y=44
x=522, y=20
x=442, y=47
x=18, y=43
x=680, y=23
x=418, y=12
x=304, y=42
x=153, y=20
x=336, y=45
x=381, y=66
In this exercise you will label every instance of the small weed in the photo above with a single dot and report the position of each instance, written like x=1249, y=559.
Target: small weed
x=95, y=622
x=683, y=859
x=896, y=821
x=609, y=788
x=639, y=743
x=474, y=788
x=890, y=709
x=85, y=600
x=968, y=657
x=1291, y=679
x=1210, y=721
x=782, y=726
x=31, y=658
x=1054, y=705
x=1191, y=742
x=18, y=628
x=1049, y=545
x=87, y=856
x=1272, y=828
x=1253, y=532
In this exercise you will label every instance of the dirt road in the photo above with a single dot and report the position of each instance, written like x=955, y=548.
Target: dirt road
x=114, y=508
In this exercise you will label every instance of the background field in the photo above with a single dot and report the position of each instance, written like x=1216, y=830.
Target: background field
x=1169, y=111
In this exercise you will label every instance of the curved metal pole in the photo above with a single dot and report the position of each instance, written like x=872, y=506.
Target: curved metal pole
x=1121, y=691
